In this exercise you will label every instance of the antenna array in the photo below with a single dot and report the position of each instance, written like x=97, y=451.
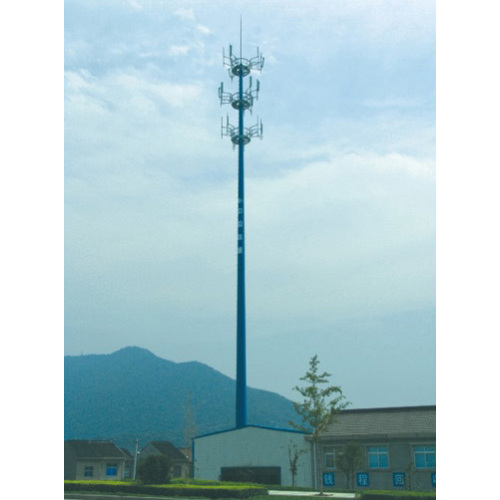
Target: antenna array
x=242, y=100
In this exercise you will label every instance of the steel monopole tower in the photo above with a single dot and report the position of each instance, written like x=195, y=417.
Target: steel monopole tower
x=240, y=135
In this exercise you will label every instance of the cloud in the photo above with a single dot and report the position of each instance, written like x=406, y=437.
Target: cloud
x=78, y=81
x=179, y=50
x=137, y=5
x=340, y=193
x=393, y=103
x=187, y=14
x=203, y=29
x=321, y=229
x=122, y=89
x=325, y=240
x=174, y=94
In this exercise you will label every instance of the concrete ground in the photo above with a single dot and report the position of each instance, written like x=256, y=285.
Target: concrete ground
x=97, y=496
x=311, y=493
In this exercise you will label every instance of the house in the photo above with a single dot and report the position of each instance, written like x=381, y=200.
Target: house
x=128, y=471
x=93, y=460
x=188, y=453
x=180, y=462
x=398, y=448
x=253, y=453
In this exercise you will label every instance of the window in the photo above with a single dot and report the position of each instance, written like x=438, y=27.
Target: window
x=111, y=469
x=378, y=457
x=425, y=456
x=329, y=457
x=176, y=471
x=88, y=471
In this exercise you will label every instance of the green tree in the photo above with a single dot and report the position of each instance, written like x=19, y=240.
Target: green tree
x=293, y=460
x=155, y=469
x=321, y=402
x=351, y=456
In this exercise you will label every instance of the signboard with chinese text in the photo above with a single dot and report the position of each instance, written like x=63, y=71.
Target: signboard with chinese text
x=328, y=479
x=398, y=479
x=362, y=479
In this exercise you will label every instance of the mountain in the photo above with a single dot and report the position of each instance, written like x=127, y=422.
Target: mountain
x=134, y=394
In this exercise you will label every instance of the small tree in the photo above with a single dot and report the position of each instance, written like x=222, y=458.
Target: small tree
x=413, y=481
x=351, y=456
x=318, y=408
x=293, y=460
x=155, y=469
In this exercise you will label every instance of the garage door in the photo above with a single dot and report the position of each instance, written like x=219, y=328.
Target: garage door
x=262, y=475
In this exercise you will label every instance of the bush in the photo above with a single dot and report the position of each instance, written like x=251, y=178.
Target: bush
x=220, y=491
x=154, y=469
x=398, y=495
x=213, y=482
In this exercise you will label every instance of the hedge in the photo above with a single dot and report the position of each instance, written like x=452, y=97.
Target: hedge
x=165, y=489
x=398, y=495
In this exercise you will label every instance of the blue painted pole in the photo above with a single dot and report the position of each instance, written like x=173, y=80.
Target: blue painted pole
x=241, y=376
x=240, y=68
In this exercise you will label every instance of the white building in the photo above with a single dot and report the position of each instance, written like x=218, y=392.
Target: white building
x=254, y=454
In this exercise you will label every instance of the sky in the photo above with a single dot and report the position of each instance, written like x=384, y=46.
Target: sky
x=340, y=194
x=334, y=147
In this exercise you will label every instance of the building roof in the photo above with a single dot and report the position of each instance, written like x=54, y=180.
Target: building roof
x=408, y=421
x=168, y=449
x=126, y=452
x=237, y=429
x=93, y=449
x=187, y=452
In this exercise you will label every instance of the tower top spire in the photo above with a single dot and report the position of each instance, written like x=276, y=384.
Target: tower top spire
x=241, y=36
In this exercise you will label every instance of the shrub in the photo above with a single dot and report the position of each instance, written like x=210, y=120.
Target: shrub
x=154, y=469
x=220, y=491
x=398, y=495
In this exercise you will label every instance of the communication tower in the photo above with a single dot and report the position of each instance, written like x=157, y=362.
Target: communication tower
x=240, y=135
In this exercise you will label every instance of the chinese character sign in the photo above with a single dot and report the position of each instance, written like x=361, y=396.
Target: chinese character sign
x=398, y=479
x=328, y=479
x=362, y=479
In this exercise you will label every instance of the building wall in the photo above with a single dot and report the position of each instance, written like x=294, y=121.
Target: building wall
x=99, y=469
x=69, y=464
x=252, y=447
x=400, y=460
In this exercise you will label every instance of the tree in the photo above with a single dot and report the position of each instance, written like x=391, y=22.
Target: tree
x=155, y=469
x=293, y=460
x=318, y=408
x=351, y=456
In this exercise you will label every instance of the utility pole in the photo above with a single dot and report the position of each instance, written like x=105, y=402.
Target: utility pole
x=135, y=458
x=240, y=136
x=190, y=431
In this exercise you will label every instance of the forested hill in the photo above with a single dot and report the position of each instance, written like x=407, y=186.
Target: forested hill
x=134, y=394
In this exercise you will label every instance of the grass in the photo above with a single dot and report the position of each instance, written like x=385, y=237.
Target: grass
x=177, y=489
x=210, y=486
